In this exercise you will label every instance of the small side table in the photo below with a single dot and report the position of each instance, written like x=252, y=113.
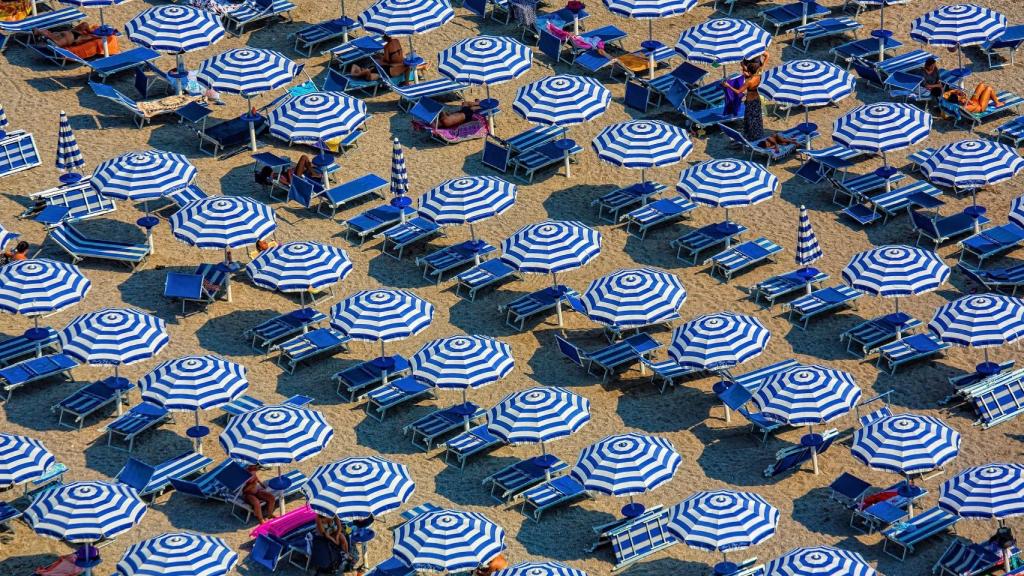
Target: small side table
x=566, y=144
x=413, y=62
x=197, y=433
x=725, y=569
x=633, y=510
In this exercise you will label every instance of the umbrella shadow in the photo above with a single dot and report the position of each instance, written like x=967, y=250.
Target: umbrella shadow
x=222, y=334
x=152, y=447
x=381, y=436
x=27, y=404
x=562, y=533
x=654, y=249
x=478, y=316
x=465, y=487
x=24, y=564
x=748, y=457
x=398, y=273
x=144, y=289
x=182, y=513
x=680, y=408
x=824, y=328
x=566, y=203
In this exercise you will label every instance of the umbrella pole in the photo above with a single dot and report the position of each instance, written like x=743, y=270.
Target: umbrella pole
x=490, y=117
x=650, y=40
x=251, y=113
x=383, y=364
x=414, y=73
x=227, y=264
x=35, y=9
x=910, y=501
x=899, y=330
x=465, y=404
x=814, y=451
x=103, y=28
x=728, y=240
x=547, y=469
x=179, y=69
x=198, y=442
x=344, y=30
x=558, y=303
x=281, y=499
x=476, y=245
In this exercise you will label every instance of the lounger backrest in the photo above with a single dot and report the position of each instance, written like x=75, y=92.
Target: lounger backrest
x=135, y=473
x=478, y=7
x=574, y=354
x=867, y=72
x=266, y=551
x=734, y=136
x=427, y=110
x=65, y=54
x=335, y=81
x=232, y=477
x=189, y=488
x=18, y=153
x=302, y=190
x=688, y=74
x=550, y=46
x=735, y=396
x=637, y=96
x=109, y=92
x=924, y=224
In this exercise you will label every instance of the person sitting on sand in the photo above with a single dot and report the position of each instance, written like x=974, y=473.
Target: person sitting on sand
x=256, y=494
x=18, y=253
x=978, y=102
x=391, y=59
x=459, y=117
x=80, y=34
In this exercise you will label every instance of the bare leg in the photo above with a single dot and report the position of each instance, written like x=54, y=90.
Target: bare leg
x=256, y=504
x=452, y=119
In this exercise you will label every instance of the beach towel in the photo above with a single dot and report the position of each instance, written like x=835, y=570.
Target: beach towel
x=733, y=101
x=579, y=42
x=152, y=108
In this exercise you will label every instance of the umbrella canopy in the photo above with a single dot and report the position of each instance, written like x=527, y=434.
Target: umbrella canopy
x=895, y=271
x=299, y=267
x=540, y=569
x=723, y=520
x=970, y=164
x=987, y=491
x=807, y=395
x=1016, y=212
x=247, y=71
x=357, y=488
x=145, y=175
x=6, y=236
x=551, y=246
x=462, y=362
x=3, y=119
x=807, y=83
x=906, y=444
x=223, y=222
x=178, y=554
x=819, y=561
x=722, y=41
x=562, y=100
x=382, y=315
x=175, y=29
x=194, y=383
x=642, y=144
x=538, y=415
x=276, y=435
x=980, y=320
x=85, y=512
x=634, y=297
x=41, y=286
x=718, y=341
x=627, y=464
x=448, y=541
x=317, y=117
x=958, y=25
x=727, y=183
x=485, y=60
x=405, y=17
x=882, y=127
x=399, y=173
x=467, y=200
x=115, y=336
x=807, y=249
x=69, y=155
x=22, y=459
x=649, y=9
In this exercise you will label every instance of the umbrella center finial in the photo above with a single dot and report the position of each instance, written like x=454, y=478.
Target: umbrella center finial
x=991, y=472
x=803, y=376
x=464, y=182
x=85, y=491
x=112, y=317
x=174, y=10
x=714, y=322
x=460, y=343
x=631, y=280
x=192, y=363
x=32, y=268
x=536, y=395
x=970, y=145
x=379, y=296
x=719, y=25
x=222, y=204
x=720, y=500
x=622, y=445
x=903, y=424
x=447, y=520
x=815, y=557
x=895, y=253
x=274, y=416
x=483, y=43
x=981, y=301
x=879, y=110
x=356, y=468
x=727, y=165
x=560, y=83
x=299, y=248
x=175, y=541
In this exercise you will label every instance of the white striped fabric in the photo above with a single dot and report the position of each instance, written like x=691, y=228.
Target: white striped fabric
x=727, y=183
x=485, y=60
x=145, y=175
x=405, y=17
x=806, y=83
x=882, y=127
x=460, y=362
x=634, y=298
x=723, y=41
x=562, y=100
x=648, y=9
x=980, y=320
x=358, y=488
x=906, y=444
x=69, y=156
x=538, y=415
x=627, y=464
x=807, y=249
x=247, y=71
x=276, y=435
x=642, y=144
x=41, y=286
x=468, y=199
x=807, y=395
x=317, y=117
x=178, y=554
x=895, y=271
x=819, y=561
x=988, y=491
x=221, y=222
x=970, y=164
x=448, y=541
x=299, y=266
x=198, y=382
x=85, y=512
x=958, y=25
x=718, y=341
x=382, y=315
x=175, y=29
x=723, y=520
x=22, y=459
x=551, y=246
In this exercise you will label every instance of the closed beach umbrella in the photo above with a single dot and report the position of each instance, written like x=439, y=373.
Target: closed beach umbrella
x=448, y=541
x=399, y=179
x=3, y=120
x=650, y=10
x=178, y=554
x=461, y=363
x=722, y=41
x=22, y=459
x=7, y=236
x=980, y=321
x=819, y=561
x=958, y=25
x=69, y=155
x=727, y=184
x=103, y=31
x=175, y=30
x=642, y=144
x=807, y=249
x=359, y=487
x=717, y=342
x=540, y=569
x=627, y=465
x=382, y=315
x=538, y=415
x=986, y=491
x=1016, y=212
x=722, y=521
x=468, y=200
x=634, y=298
x=406, y=18
x=317, y=117
x=895, y=271
x=807, y=83
x=223, y=222
x=486, y=60
x=299, y=267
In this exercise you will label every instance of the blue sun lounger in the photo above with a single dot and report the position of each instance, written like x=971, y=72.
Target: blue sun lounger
x=735, y=397
x=320, y=32
x=1004, y=46
x=69, y=204
x=117, y=97
x=996, y=279
x=80, y=247
x=1010, y=103
x=312, y=344
x=152, y=481
x=882, y=206
x=102, y=68
x=507, y=485
x=500, y=154
x=657, y=213
x=907, y=534
x=706, y=237
x=540, y=157
x=742, y=256
x=476, y=440
x=407, y=234
x=769, y=154
x=34, y=369
x=622, y=198
x=483, y=275
x=789, y=14
x=906, y=62
x=962, y=557
x=992, y=242
x=86, y=401
x=823, y=300
x=668, y=371
x=940, y=229
x=254, y=11
x=374, y=220
x=869, y=335
x=354, y=50
x=863, y=49
x=396, y=393
x=425, y=431
x=18, y=152
x=409, y=95
x=684, y=76
x=17, y=347
x=338, y=196
x=246, y=403
x=355, y=381
x=804, y=35
x=781, y=285
x=699, y=120
x=1012, y=131
x=138, y=419
x=639, y=538
x=996, y=399
x=224, y=483
x=437, y=263
x=974, y=377
x=391, y=567
x=282, y=326
x=203, y=286
x=909, y=349
x=540, y=302
x=43, y=21
x=611, y=358
x=560, y=491
x=792, y=458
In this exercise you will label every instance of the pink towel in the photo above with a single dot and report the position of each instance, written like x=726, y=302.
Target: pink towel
x=282, y=525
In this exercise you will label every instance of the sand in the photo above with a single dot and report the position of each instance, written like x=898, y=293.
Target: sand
x=715, y=454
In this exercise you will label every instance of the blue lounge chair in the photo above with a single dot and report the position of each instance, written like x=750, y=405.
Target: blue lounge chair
x=391, y=567
x=855, y=188
x=863, y=49
x=743, y=256
x=354, y=50
x=906, y=535
x=789, y=14
x=179, y=198
x=267, y=551
x=906, y=62
x=1004, y=46
x=507, y=485
x=224, y=139
x=559, y=491
x=499, y=153
x=42, y=21
x=622, y=198
x=256, y=11
x=33, y=370
x=355, y=381
x=351, y=191
x=769, y=154
x=940, y=229
x=139, y=419
x=699, y=120
x=781, y=285
x=476, y=440
x=971, y=378
x=396, y=393
x=80, y=247
x=996, y=279
x=706, y=237
x=203, y=286
x=735, y=398
x=849, y=490
x=246, y=403
x=18, y=152
x=304, y=191
x=375, y=220
x=152, y=481
x=102, y=68
x=435, y=264
x=537, y=158
x=823, y=163
x=223, y=483
x=963, y=557
x=909, y=349
x=86, y=401
x=881, y=207
x=823, y=300
x=792, y=458
x=312, y=344
x=612, y=358
x=8, y=514
x=997, y=399
x=140, y=117
x=483, y=275
x=18, y=347
x=407, y=234
x=69, y=204
x=804, y=35
x=685, y=76
x=668, y=371
x=310, y=36
x=283, y=326
x=869, y=335
x=540, y=302
x=426, y=430
x=340, y=82
x=906, y=87
x=1012, y=131
x=992, y=242
x=1010, y=103
x=409, y=95
x=426, y=115
x=657, y=213
x=639, y=538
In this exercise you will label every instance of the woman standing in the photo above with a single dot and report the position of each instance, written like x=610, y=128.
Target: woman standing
x=753, y=114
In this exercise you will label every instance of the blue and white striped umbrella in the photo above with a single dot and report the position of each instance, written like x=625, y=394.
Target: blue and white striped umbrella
x=895, y=271
x=7, y=236
x=178, y=554
x=718, y=341
x=958, y=25
x=980, y=320
x=906, y=444
x=562, y=100
x=727, y=183
x=317, y=116
x=987, y=491
x=448, y=541
x=467, y=200
x=722, y=41
x=806, y=83
x=819, y=561
x=540, y=569
x=807, y=395
x=971, y=164
x=247, y=71
x=642, y=144
x=462, y=362
x=627, y=464
x=723, y=520
x=634, y=297
x=144, y=175
x=649, y=9
x=85, y=512
x=276, y=435
x=382, y=315
x=197, y=382
x=551, y=246
x=807, y=249
x=69, y=155
x=486, y=60
x=115, y=336
x=1016, y=212
x=3, y=119
x=299, y=267
x=175, y=29
x=405, y=17
x=22, y=459
x=399, y=173
x=223, y=222
x=40, y=286
x=359, y=487
x=882, y=127
x=538, y=415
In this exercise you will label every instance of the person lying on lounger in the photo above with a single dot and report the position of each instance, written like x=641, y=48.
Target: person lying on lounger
x=304, y=167
x=578, y=42
x=978, y=102
x=459, y=117
x=391, y=59
x=80, y=34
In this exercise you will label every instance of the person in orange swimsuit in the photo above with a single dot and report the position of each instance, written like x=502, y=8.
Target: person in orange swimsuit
x=978, y=102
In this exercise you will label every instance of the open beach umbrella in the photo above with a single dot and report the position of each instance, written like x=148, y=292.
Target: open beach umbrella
x=223, y=222
x=722, y=41
x=722, y=521
x=540, y=569
x=85, y=513
x=650, y=10
x=805, y=396
x=358, y=488
x=806, y=83
x=468, y=200
x=485, y=60
x=462, y=362
x=317, y=117
x=819, y=561
x=448, y=541
x=894, y=271
x=980, y=321
x=406, y=18
x=175, y=30
x=881, y=128
x=717, y=342
x=143, y=176
x=299, y=267
x=642, y=144
x=627, y=465
x=69, y=155
x=399, y=179
x=958, y=25
x=178, y=554
x=247, y=72
x=807, y=249
x=972, y=164
x=103, y=31
x=381, y=316
x=22, y=459
x=727, y=184
x=634, y=298
x=41, y=286
x=986, y=491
